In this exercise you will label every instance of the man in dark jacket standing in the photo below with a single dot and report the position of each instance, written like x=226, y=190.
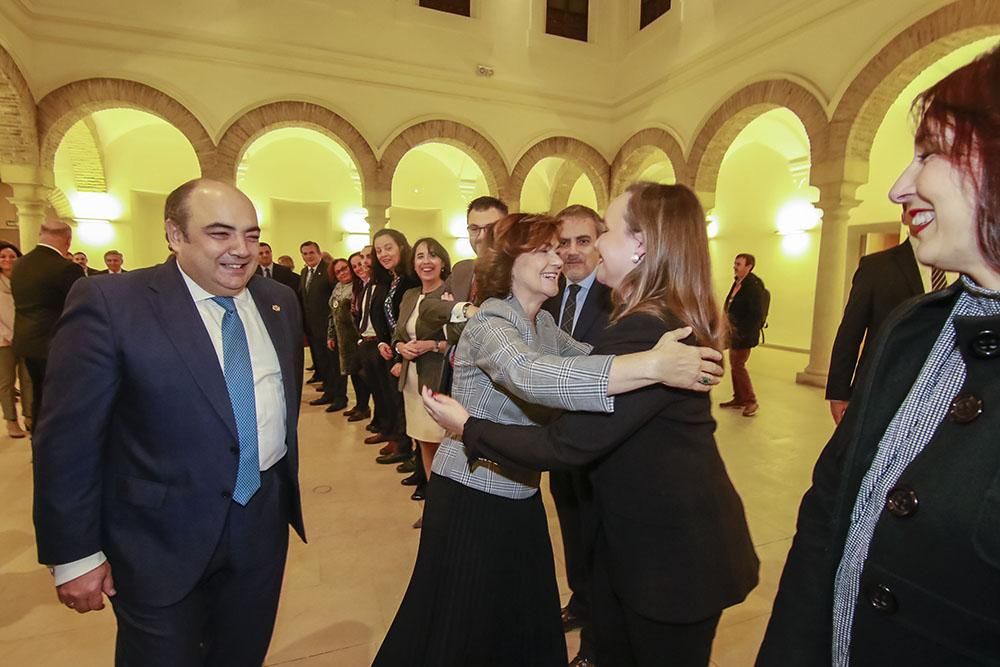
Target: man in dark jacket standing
x=40, y=283
x=315, y=288
x=746, y=310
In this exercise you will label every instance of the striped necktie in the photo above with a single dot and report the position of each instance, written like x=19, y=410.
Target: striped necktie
x=938, y=280
x=569, y=309
x=238, y=370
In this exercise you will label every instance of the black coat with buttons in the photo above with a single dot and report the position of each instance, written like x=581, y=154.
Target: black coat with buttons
x=930, y=587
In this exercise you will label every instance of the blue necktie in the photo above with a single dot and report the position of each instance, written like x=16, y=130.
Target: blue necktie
x=238, y=370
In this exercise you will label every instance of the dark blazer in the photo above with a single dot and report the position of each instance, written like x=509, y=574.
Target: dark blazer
x=746, y=312
x=937, y=551
x=143, y=468
x=316, y=300
x=430, y=364
x=92, y=272
x=436, y=312
x=40, y=282
x=104, y=271
x=283, y=275
x=882, y=282
x=593, y=314
x=679, y=547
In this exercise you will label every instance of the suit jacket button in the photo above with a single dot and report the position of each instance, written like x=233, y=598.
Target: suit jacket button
x=965, y=408
x=986, y=344
x=902, y=502
x=225, y=494
x=880, y=597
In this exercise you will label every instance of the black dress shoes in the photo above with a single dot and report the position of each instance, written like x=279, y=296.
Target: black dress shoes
x=570, y=621
x=336, y=407
x=322, y=400
x=377, y=438
x=373, y=428
x=392, y=457
x=357, y=416
x=418, y=494
x=412, y=480
x=407, y=466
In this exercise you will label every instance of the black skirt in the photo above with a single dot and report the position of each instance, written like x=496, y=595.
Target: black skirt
x=483, y=591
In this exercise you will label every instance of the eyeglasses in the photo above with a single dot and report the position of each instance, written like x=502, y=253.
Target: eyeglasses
x=476, y=230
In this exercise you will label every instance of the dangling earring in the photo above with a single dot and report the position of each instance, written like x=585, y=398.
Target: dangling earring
x=636, y=258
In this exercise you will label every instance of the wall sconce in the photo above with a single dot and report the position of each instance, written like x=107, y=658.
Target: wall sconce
x=95, y=206
x=798, y=216
x=356, y=222
x=712, y=225
x=93, y=231
x=355, y=242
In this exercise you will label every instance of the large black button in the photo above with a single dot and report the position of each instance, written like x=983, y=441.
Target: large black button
x=880, y=597
x=965, y=408
x=986, y=344
x=902, y=502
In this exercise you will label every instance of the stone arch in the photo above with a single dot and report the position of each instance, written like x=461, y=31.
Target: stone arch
x=867, y=99
x=81, y=139
x=59, y=110
x=585, y=156
x=249, y=127
x=730, y=117
x=479, y=148
x=567, y=176
x=637, y=150
x=18, y=121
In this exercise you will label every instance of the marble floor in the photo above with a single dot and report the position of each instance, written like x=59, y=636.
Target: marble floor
x=342, y=589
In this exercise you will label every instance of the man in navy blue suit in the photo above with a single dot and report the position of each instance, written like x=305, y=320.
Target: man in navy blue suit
x=171, y=488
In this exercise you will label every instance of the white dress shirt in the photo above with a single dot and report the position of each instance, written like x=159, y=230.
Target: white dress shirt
x=269, y=393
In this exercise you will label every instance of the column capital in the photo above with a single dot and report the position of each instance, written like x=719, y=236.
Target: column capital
x=30, y=186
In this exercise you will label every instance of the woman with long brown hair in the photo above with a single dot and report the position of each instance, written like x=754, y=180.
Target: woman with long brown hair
x=673, y=548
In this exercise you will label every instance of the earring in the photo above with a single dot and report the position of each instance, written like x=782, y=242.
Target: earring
x=636, y=258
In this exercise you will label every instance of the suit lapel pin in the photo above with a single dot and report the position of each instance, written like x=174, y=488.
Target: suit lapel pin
x=276, y=308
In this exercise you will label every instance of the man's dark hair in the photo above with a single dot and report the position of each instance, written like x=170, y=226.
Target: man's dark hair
x=581, y=211
x=264, y=244
x=485, y=203
x=312, y=243
x=177, y=208
x=748, y=258
x=113, y=252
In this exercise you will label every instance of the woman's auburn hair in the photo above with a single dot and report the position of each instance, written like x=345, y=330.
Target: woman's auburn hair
x=959, y=119
x=674, y=278
x=513, y=235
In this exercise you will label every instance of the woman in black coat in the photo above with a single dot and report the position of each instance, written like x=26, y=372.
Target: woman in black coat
x=673, y=548
x=896, y=560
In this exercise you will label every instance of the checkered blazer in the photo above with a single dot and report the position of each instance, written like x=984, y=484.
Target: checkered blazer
x=514, y=371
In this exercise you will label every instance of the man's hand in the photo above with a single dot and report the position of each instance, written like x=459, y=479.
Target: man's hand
x=396, y=369
x=385, y=351
x=686, y=366
x=84, y=593
x=446, y=411
x=837, y=409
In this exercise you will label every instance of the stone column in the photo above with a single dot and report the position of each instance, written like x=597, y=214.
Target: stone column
x=837, y=198
x=31, y=187
x=378, y=202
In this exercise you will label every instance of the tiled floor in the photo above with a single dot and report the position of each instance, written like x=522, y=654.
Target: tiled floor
x=342, y=589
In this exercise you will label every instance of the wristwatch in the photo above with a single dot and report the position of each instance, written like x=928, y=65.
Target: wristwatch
x=465, y=310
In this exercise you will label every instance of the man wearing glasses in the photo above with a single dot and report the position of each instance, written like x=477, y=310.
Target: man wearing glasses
x=456, y=305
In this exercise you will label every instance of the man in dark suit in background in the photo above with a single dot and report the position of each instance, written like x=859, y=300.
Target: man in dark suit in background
x=581, y=309
x=315, y=288
x=270, y=269
x=113, y=259
x=458, y=307
x=40, y=282
x=746, y=312
x=171, y=488
x=80, y=259
x=882, y=281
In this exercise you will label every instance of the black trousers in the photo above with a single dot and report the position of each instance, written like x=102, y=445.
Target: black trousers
x=36, y=371
x=574, y=500
x=227, y=620
x=626, y=638
x=335, y=384
x=362, y=393
x=317, y=350
x=389, y=413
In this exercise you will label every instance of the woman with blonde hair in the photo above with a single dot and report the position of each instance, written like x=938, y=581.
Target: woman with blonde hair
x=673, y=547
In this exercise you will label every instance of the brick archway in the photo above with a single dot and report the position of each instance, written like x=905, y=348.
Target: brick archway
x=639, y=147
x=865, y=103
x=730, y=117
x=586, y=157
x=249, y=127
x=479, y=148
x=63, y=107
x=18, y=123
